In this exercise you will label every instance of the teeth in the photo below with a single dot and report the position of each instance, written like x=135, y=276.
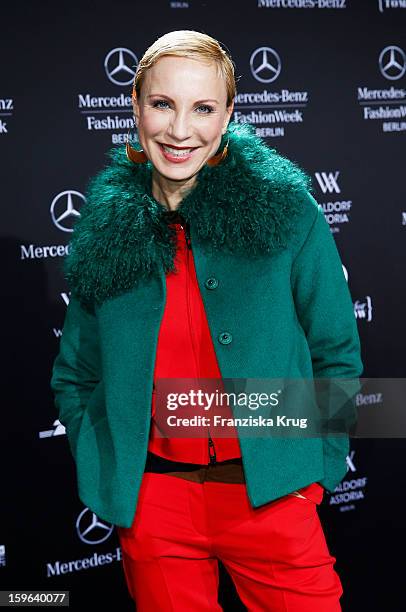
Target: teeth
x=176, y=151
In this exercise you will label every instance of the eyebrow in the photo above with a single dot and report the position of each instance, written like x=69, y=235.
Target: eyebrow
x=197, y=101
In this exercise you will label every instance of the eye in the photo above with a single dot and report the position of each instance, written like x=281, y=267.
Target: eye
x=209, y=109
x=155, y=104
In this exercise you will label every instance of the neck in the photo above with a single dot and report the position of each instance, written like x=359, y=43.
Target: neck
x=168, y=192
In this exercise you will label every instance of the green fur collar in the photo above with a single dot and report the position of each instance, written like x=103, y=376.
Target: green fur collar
x=246, y=205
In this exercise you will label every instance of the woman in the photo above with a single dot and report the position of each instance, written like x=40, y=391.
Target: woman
x=202, y=256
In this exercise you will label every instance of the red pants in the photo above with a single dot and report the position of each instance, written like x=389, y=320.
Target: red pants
x=276, y=555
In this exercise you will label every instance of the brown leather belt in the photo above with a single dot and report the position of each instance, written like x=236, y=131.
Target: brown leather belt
x=229, y=471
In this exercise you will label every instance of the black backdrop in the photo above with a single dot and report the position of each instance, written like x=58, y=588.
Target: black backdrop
x=338, y=69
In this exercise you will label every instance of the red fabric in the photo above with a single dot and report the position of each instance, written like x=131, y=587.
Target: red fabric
x=276, y=555
x=185, y=350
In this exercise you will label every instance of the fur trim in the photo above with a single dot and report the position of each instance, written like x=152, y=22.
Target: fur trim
x=246, y=205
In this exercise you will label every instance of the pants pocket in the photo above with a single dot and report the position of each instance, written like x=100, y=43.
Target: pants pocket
x=297, y=494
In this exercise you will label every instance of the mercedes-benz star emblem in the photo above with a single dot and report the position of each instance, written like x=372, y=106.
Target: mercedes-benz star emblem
x=64, y=209
x=120, y=66
x=265, y=64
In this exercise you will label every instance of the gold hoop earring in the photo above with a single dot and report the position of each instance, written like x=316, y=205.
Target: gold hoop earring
x=217, y=159
x=137, y=157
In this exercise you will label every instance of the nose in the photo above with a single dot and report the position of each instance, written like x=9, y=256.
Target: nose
x=179, y=128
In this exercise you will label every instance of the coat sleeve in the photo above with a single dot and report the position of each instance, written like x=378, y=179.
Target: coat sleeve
x=325, y=311
x=77, y=367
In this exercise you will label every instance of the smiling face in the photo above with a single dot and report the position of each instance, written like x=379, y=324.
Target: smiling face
x=181, y=115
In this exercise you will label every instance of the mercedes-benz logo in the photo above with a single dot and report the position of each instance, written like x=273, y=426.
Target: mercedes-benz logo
x=91, y=529
x=120, y=66
x=392, y=62
x=64, y=209
x=265, y=64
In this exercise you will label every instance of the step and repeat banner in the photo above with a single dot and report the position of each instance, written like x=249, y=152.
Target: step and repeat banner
x=324, y=83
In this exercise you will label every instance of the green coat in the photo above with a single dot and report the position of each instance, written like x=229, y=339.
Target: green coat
x=281, y=294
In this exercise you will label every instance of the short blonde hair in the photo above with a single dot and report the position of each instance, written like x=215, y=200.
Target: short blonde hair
x=192, y=44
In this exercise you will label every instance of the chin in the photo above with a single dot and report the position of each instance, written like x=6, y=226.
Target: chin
x=176, y=172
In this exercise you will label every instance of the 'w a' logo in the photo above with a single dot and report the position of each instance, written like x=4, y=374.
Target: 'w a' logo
x=328, y=182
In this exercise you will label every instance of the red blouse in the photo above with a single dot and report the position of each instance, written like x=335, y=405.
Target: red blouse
x=185, y=350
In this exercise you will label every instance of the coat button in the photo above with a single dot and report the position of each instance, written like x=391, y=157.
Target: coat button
x=225, y=338
x=211, y=283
